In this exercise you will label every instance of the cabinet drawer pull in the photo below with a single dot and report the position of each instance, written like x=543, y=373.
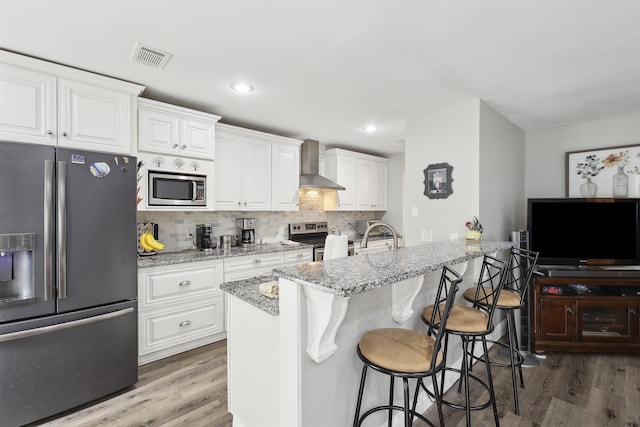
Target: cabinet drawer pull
x=633, y=311
x=300, y=255
x=49, y=132
x=257, y=261
x=184, y=146
x=569, y=310
x=174, y=146
x=185, y=323
x=64, y=134
x=185, y=283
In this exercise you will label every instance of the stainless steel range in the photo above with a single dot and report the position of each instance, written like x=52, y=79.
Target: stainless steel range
x=313, y=233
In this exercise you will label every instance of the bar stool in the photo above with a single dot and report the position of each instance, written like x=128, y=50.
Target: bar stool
x=521, y=266
x=471, y=323
x=405, y=353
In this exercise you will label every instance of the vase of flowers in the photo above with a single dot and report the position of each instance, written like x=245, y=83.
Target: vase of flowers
x=588, y=169
x=474, y=229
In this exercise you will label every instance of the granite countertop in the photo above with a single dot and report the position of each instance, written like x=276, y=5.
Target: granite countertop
x=169, y=258
x=354, y=275
x=247, y=291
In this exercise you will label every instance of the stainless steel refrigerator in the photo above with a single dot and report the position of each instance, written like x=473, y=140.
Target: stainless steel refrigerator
x=68, y=321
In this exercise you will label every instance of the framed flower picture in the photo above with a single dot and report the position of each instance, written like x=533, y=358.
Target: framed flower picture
x=604, y=173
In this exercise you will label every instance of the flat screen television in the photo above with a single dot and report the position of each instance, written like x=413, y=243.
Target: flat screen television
x=584, y=232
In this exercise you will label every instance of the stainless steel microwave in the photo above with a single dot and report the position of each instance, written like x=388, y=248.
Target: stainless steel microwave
x=177, y=189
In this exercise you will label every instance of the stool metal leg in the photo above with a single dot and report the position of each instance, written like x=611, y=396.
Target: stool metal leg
x=492, y=394
x=363, y=376
x=465, y=372
x=391, y=384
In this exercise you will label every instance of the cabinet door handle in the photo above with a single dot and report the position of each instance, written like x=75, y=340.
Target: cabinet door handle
x=300, y=255
x=64, y=134
x=569, y=310
x=185, y=323
x=633, y=311
x=185, y=283
x=49, y=132
x=174, y=146
x=184, y=146
x=257, y=261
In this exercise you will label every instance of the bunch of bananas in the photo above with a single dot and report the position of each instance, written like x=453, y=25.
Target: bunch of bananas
x=149, y=244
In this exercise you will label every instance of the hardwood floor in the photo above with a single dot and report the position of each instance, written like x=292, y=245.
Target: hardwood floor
x=189, y=389
x=567, y=389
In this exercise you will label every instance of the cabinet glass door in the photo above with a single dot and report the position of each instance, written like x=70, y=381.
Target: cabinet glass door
x=607, y=321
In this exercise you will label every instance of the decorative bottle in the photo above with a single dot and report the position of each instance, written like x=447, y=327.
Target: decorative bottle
x=620, y=183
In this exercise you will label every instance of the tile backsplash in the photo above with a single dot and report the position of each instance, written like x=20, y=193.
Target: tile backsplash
x=176, y=226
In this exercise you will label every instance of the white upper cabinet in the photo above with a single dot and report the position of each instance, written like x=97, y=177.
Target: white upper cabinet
x=256, y=174
x=285, y=176
x=93, y=117
x=46, y=103
x=242, y=171
x=364, y=178
x=169, y=129
x=27, y=106
x=255, y=171
x=372, y=185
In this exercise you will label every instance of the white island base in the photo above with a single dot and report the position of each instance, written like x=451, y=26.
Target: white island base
x=300, y=368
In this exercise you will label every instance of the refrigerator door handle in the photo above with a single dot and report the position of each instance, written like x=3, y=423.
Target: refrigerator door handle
x=61, y=228
x=62, y=326
x=49, y=229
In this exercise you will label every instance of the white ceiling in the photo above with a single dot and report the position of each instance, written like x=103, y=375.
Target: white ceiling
x=323, y=69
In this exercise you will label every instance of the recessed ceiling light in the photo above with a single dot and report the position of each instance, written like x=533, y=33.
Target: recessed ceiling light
x=242, y=87
x=370, y=128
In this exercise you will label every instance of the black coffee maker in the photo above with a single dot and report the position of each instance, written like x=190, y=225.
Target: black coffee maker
x=246, y=231
x=204, y=237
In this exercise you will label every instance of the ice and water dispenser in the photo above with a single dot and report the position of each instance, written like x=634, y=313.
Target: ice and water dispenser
x=16, y=267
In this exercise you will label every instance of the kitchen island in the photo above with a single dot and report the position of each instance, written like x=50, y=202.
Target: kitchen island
x=300, y=368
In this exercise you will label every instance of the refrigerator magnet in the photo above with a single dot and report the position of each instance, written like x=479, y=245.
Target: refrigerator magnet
x=77, y=159
x=99, y=169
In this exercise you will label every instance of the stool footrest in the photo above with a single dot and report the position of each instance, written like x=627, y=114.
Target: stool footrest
x=462, y=406
x=395, y=408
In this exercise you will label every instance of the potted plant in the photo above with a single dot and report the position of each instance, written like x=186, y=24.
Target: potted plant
x=474, y=229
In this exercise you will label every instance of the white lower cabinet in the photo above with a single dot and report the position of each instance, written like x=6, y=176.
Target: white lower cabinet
x=246, y=267
x=180, y=307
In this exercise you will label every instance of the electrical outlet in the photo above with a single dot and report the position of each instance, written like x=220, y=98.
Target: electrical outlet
x=414, y=211
x=453, y=236
x=427, y=235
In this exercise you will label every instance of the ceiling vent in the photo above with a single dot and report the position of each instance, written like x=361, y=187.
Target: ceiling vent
x=150, y=56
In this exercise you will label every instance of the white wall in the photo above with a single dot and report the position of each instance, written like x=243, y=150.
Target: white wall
x=502, y=201
x=487, y=154
x=545, y=150
x=449, y=136
x=394, y=212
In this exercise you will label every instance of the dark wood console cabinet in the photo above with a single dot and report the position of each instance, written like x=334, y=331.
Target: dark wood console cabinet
x=586, y=314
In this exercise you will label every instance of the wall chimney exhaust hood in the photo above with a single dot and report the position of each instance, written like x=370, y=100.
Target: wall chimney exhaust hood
x=309, y=167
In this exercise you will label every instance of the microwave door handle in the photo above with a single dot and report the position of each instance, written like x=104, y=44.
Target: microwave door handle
x=194, y=192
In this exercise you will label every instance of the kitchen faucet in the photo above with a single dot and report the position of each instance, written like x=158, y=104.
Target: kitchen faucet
x=365, y=238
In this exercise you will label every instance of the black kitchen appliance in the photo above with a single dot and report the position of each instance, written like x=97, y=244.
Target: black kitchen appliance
x=68, y=320
x=246, y=231
x=314, y=233
x=204, y=237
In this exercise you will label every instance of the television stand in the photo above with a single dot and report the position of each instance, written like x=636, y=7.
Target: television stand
x=587, y=311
